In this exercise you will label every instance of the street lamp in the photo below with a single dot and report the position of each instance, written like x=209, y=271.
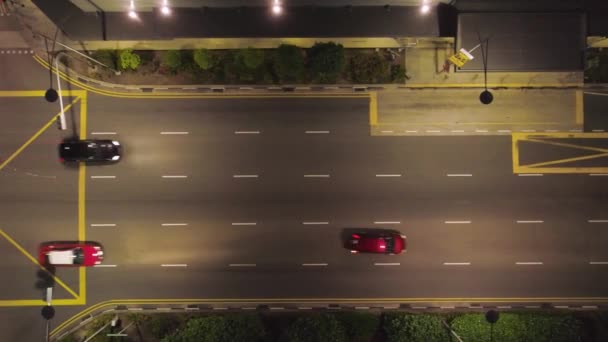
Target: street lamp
x=132, y=13
x=486, y=96
x=276, y=7
x=492, y=317
x=165, y=8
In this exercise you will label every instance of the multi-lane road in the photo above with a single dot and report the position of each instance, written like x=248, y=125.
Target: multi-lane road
x=241, y=198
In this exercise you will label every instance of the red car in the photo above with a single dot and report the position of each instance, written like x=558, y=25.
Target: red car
x=71, y=254
x=385, y=243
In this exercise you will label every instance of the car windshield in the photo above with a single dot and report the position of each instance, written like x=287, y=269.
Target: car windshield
x=78, y=256
x=390, y=243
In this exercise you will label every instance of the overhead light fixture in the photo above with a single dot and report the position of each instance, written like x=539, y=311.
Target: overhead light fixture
x=165, y=8
x=276, y=7
x=132, y=13
x=425, y=9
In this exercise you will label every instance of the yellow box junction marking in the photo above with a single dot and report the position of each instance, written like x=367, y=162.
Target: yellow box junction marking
x=580, y=111
x=551, y=166
x=82, y=278
x=373, y=108
x=78, y=299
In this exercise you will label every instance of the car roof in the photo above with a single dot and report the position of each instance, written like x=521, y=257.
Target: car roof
x=61, y=257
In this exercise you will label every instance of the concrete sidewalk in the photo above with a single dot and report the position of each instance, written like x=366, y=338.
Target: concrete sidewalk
x=459, y=112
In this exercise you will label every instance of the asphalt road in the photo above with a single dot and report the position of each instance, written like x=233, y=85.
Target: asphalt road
x=262, y=192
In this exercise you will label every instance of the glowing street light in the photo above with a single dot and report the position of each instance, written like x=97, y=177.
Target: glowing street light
x=165, y=8
x=132, y=13
x=426, y=6
x=277, y=8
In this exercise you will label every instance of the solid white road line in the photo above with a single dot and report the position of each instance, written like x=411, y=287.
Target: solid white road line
x=529, y=263
x=597, y=130
x=589, y=306
x=316, y=176
x=528, y=130
x=315, y=223
x=243, y=223
x=458, y=131
x=135, y=309
x=246, y=132
x=411, y=131
x=598, y=262
x=321, y=264
x=103, y=224
x=244, y=176
x=387, y=222
x=598, y=174
x=504, y=131
x=175, y=176
x=220, y=308
x=447, y=307
x=529, y=174
x=361, y=307
x=276, y=308
x=433, y=131
x=103, y=177
x=174, y=265
x=317, y=132
x=529, y=221
x=174, y=133
x=173, y=224
x=481, y=130
x=532, y=306
x=387, y=264
x=457, y=263
x=460, y=175
x=597, y=221
x=242, y=265
x=386, y=132
x=304, y=308
x=163, y=309
x=457, y=222
x=504, y=306
x=389, y=175
x=103, y=133
x=104, y=265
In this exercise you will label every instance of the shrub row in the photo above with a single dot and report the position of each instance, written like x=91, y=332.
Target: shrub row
x=322, y=63
x=355, y=326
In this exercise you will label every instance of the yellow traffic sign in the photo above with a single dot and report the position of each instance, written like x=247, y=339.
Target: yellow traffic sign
x=460, y=58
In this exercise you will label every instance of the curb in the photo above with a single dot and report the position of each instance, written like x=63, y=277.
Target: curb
x=75, y=323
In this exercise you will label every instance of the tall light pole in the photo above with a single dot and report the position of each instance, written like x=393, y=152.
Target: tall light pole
x=486, y=96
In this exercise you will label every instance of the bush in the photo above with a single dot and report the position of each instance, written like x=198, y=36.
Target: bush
x=128, y=60
x=249, y=58
x=173, y=60
x=359, y=325
x=289, y=63
x=315, y=328
x=107, y=57
x=415, y=328
x=368, y=68
x=234, y=328
x=596, y=68
x=161, y=325
x=398, y=74
x=204, y=59
x=326, y=61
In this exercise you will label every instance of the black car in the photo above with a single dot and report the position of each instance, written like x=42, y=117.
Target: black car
x=90, y=150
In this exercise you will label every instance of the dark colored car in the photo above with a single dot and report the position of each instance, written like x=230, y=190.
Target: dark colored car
x=372, y=242
x=71, y=254
x=89, y=151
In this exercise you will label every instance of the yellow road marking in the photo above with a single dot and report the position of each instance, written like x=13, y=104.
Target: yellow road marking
x=540, y=138
x=515, y=152
x=566, y=160
x=373, y=108
x=38, y=302
x=579, y=107
x=81, y=197
x=327, y=300
x=36, y=135
x=32, y=259
x=575, y=146
x=36, y=93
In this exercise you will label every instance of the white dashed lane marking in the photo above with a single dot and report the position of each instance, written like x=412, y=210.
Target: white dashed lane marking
x=174, y=133
x=387, y=222
x=457, y=222
x=388, y=175
x=317, y=176
x=242, y=265
x=315, y=223
x=243, y=223
x=174, y=265
x=387, y=264
x=317, y=132
x=244, y=176
x=174, y=176
x=457, y=263
x=529, y=263
x=529, y=221
x=103, y=177
x=246, y=132
x=173, y=224
x=103, y=224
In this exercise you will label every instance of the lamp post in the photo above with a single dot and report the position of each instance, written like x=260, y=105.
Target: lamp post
x=486, y=96
x=492, y=317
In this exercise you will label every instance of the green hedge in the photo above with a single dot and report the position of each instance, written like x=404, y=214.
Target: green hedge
x=401, y=327
x=519, y=327
x=315, y=328
x=229, y=328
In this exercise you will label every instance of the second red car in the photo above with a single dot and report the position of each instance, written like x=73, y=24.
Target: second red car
x=384, y=243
